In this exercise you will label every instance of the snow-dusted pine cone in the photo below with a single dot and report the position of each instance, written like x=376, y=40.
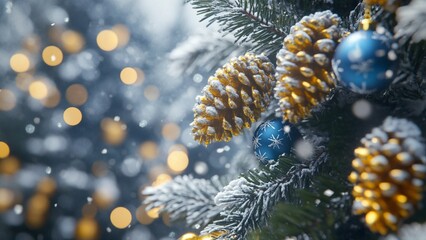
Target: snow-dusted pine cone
x=304, y=73
x=233, y=99
x=390, y=169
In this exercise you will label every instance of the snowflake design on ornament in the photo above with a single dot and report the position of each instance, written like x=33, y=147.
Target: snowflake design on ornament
x=356, y=54
x=363, y=89
x=363, y=68
x=256, y=141
x=275, y=141
x=337, y=68
x=261, y=156
x=381, y=37
x=266, y=125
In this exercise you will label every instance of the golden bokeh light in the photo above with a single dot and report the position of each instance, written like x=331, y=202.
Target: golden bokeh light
x=72, y=41
x=154, y=213
x=151, y=93
x=178, y=147
x=76, y=94
x=177, y=161
x=171, y=131
x=72, y=116
x=53, y=98
x=113, y=132
x=37, y=208
x=99, y=168
x=87, y=229
x=4, y=150
x=9, y=165
x=46, y=186
x=38, y=90
x=89, y=210
x=149, y=150
x=107, y=40
x=129, y=75
x=123, y=34
x=103, y=199
x=161, y=179
x=7, y=100
x=7, y=199
x=121, y=217
x=156, y=170
x=19, y=62
x=32, y=43
x=52, y=55
x=142, y=216
x=23, y=81
x=189, y=236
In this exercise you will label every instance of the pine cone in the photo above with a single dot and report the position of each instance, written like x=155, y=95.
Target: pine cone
x=389, y=5
x=304, y=72
x=389, y=172
x=233, y=99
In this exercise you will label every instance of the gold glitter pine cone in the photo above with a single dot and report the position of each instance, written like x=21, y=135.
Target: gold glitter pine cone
x=390, y=169
x=233, y=99
x=389, y=5
x=304, y=74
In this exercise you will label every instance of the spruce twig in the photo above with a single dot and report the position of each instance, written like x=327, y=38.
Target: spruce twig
x=248, y=201
x=187, y=198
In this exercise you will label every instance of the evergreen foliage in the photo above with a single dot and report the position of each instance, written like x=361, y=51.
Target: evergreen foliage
x=299, y=198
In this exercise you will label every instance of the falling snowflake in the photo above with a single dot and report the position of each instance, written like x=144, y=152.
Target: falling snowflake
x=275, y=141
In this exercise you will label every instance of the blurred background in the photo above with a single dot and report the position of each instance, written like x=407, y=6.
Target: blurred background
x=92, y=111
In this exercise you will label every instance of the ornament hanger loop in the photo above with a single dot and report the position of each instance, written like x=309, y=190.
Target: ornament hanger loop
x=366, y=23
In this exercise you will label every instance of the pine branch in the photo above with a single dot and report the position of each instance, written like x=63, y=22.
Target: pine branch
x=248, y=201
x=412, y=21
x=187, y=198
x=202, y=52
x=261, y=22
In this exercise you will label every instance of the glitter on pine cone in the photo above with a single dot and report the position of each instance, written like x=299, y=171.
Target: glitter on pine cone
x=233, y=99
x=304, y=74
x=390, y=169
x=389, y=5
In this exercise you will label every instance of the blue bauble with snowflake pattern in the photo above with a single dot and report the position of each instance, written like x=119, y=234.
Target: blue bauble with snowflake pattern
x=274, y=138
x=366, y=61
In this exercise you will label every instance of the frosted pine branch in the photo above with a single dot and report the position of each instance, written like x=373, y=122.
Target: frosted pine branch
x=204, y=52
x=186, y=198
x=261, y=22
x=248, y=201
x=412, y=21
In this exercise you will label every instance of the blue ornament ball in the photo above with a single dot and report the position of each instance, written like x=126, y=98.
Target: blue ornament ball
x=274, y=138
x=366, y=61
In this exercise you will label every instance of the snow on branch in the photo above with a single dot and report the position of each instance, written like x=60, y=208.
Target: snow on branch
x=248, y=201
x=186, y=198
x=206, y=52
x=261, y=22
x=412, y=21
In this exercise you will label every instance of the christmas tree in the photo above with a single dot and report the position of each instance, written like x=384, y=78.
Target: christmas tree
x=282, y=119
x=330, y=96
